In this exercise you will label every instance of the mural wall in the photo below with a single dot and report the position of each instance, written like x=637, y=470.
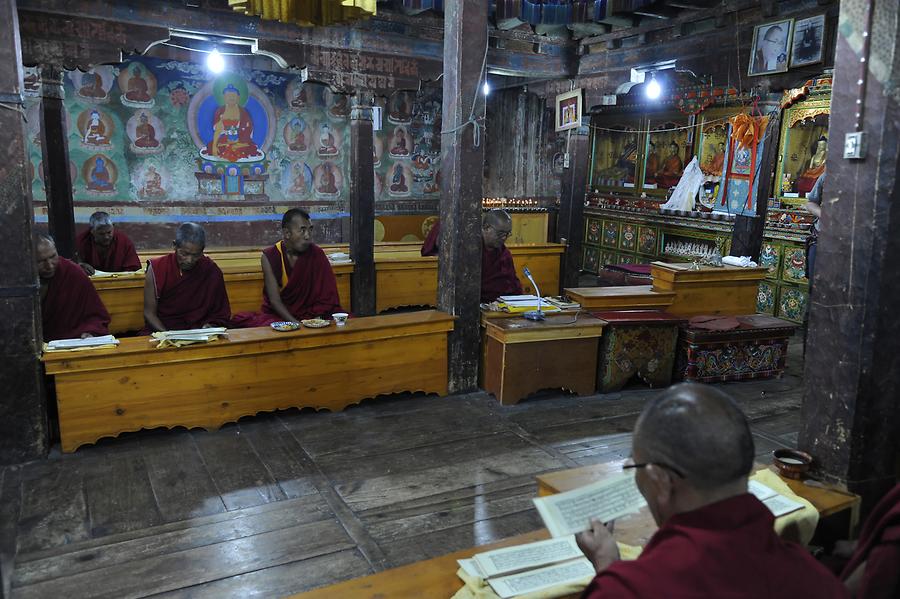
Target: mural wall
x=167, y=141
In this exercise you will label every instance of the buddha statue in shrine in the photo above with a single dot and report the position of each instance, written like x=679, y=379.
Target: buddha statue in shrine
x=816, y=167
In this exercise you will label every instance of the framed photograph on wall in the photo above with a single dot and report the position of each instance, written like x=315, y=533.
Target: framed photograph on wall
x=771, y=47
x=809, y=39
x=568, y=110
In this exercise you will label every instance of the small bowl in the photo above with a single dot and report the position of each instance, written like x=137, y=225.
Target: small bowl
x=791, y=463
x=284, y=326
x=340, y=318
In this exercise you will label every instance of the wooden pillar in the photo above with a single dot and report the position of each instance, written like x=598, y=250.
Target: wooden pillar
x=362, y=206
x=852, y=373
x=570, y=227
x=55, y=151
x=747, y=237
x=23, y=429
x=462, y=166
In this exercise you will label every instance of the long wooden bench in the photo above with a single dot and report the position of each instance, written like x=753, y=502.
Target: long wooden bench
x=103, y=393
x=402, y=278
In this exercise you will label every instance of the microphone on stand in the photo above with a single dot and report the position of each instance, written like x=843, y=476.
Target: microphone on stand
x=533, y=314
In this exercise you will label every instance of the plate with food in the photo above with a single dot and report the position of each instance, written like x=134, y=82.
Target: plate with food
x=284, y=326
x=315, y=323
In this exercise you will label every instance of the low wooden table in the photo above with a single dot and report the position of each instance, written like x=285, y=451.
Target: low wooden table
x=637, y=342
x=524, y=356
x=629, y=297
x=709, y=289
x=103, y=393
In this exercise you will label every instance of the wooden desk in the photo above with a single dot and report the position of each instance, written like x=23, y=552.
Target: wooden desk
x=709, y=290
x=124, y=296
x=629, y=297
x=523, y=356
x=106, y=392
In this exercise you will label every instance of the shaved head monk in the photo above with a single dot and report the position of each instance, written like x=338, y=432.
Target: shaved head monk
x=185, y=289
x=70, y=306
x=298, y=280
x=498, y=273
x=102, y=247
x=692, y=453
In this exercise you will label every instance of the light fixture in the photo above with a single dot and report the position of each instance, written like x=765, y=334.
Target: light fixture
x=486, y=88
x=653, y=88
x=215, y=62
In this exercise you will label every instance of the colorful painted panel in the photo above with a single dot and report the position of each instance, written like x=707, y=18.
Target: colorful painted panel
x=627, y=259
x=591, y=259
x=770, y=257
x=668, y=151
x=765, y=298
x=647, y=240
x=592, y=230
x=615, y=155
x=645, y=351
x=628, y=238
x=608, y=258
x=610, y=234
x=792, y=303
x=794, y=270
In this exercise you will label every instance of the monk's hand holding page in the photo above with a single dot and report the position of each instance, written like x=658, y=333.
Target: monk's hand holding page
x=598, y=545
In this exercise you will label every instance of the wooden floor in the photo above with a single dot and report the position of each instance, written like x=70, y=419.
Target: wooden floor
x=290, y=501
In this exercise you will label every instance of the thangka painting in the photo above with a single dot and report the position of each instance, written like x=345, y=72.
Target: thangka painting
x=150, y=129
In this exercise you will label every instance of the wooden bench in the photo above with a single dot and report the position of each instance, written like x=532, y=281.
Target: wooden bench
x=103, y=393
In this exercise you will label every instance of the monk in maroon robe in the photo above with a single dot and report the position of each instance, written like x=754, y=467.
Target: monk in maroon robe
x=298, y=280
x=101, y=247
x=185, y=289
x=498, y=272
x=873, y=571
x=692, y=455
x=70, y=306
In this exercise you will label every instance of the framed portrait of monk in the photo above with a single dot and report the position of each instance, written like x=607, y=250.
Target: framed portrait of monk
x=771, y=48
x=568, y=110
x=809, y=39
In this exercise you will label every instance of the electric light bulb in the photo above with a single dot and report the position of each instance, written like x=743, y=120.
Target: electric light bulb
x=653, y=89
x=215, y=62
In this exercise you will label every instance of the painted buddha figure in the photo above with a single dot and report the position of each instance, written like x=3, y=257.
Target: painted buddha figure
x=399, y=147
x=398, y=180
x=95, y=131
x=652, y=164
x=327, y=183
x=100, y=179
x=816, y=167
x=299, y=97
x=152, y=183
x=138, y=90
x=399, y=109
x=327, y=144
x=672, y=168
x=232, y=129
x=145, y=133
x=341, y=107
x=298, y=184
x=715, y=163
x=92, y=86
x=297, y=137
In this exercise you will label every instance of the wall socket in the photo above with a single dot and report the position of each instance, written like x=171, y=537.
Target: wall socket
x=855, y=145
x=566, y=160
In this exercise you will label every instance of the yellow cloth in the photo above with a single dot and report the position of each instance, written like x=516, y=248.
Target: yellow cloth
x=162, y=342
x=797, y=526
x=545, y=307
x=284, y=277
x=307, y=13
x=477, y=588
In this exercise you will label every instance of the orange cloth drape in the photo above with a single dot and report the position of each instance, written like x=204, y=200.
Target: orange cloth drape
x=307, y=13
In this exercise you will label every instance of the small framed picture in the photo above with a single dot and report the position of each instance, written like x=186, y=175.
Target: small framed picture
x=568, y=110
x=771, y=47
x=809, y=39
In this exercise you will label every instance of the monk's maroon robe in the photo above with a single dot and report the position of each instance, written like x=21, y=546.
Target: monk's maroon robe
x=120, y=257
x=498, y=273
x=879, y=548
x=725, y=550
x=308, y=288
x=190, y=299
x=71, y=306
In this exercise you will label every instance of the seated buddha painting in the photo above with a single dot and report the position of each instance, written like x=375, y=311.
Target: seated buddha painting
x=232, y=120
x=137, y=84
x=667, y=150
x=615, y=156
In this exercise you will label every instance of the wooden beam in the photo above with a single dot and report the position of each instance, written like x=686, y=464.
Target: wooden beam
x=362, y=206
x=850, y=413
x=55, y=154
x=23, y=427
x=462, y=165
x=570, y=229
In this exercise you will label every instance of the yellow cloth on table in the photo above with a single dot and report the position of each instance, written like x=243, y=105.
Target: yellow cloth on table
x=478, y=588
x=164, y=342
x=798, y=526
x=545, y=307
x=307, y=13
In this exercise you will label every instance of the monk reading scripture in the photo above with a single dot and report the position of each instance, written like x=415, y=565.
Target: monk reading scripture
x=692, y=453
x=185, y=289
x=298, y=280
x=70, y=306
x=498, y=273
x=101, y=247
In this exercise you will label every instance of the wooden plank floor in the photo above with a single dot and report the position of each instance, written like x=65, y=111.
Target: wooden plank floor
x=286, y=502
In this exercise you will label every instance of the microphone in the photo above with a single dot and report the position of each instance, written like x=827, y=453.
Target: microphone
x=533, y=314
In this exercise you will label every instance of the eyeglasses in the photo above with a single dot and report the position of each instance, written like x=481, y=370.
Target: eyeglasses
x=501, y=234
x=672, y=469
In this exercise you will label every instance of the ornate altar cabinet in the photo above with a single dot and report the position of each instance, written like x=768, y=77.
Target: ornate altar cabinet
x=639, y=153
